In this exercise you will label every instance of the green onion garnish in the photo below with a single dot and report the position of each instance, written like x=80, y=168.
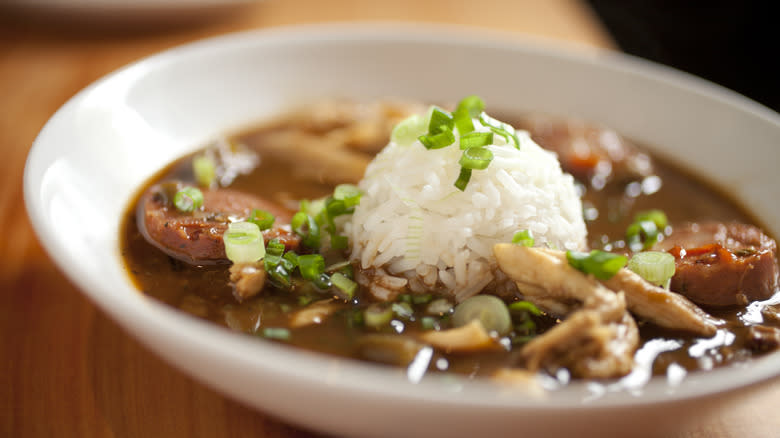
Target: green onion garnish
x=654, y=266
x=476, y=158
x=312, y=267
x=463, y=122
x=422, y=298
x=344, y=284
x=263, y=219
x=468, y=108
x=278, y=264
x=278, y=333
x=475, y=139
x=463, y=179
x=524, y=238
x=407, y=130
x=641, y=235
x=525, y=306
x=243, y=242
x=430, y=323
x=377, y=315
x=487, y=309
x=472, y=105
x=347, y=193
x=441, y=121
x=437, y=141
x=500, y=128
x=188, y=199
x=658, y=217
x=403, y=310
x=305, y=226
x=602, y=265
x=205, y=170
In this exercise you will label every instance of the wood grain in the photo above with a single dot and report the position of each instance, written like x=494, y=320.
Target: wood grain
x=67, y=370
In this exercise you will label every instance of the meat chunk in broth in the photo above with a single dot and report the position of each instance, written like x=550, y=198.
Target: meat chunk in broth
x=721, y=264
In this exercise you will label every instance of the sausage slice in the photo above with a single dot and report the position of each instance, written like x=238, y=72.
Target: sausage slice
x=722, y=264
x=196, y=238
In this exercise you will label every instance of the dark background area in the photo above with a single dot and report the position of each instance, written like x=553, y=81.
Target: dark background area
x=733, y=43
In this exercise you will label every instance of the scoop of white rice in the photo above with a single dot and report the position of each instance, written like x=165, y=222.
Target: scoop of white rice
x=412, y=222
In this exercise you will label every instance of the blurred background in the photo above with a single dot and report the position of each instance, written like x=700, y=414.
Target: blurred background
x=732, y=43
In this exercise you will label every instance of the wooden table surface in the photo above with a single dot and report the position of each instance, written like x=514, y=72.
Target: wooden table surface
x=67, y=370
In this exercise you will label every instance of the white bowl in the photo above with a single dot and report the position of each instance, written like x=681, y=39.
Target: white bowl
x=104, y=143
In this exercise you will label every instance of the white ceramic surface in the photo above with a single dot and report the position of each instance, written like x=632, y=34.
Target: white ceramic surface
x=102, y=145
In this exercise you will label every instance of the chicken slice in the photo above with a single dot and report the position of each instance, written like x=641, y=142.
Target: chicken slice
x=598, y=337
x=586, y=345
x=656, y=304
x=662, y=307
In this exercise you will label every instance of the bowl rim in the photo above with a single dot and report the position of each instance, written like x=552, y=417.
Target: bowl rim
x=358, y=379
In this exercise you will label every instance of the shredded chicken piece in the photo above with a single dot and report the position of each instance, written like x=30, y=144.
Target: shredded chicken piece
x=363, y=126
x=587, y=345
x=315, y=313
x=662, y=307
x=598, y=337
x=470, y=337
x=318, y=158
x=248, y=279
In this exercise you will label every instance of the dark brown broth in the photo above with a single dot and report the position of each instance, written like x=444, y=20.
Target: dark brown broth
x=205, y=292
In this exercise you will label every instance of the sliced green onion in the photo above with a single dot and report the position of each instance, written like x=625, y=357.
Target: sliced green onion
x=278, y=264
x=205, y=170
x=525, y=306
x=339, y=267
x=312, y=266
x=403, y=310
x=463, y=179
x=437, y=141
x=188, y=199
x=404, y=298
x=524, y=238
x=487, y=309
x=441, y=121
x=472, y=105
x=312, y=208
x=263, y=219
x=347, y=193
x=476, y=139
x=243, y=242
x=658, y=217
x=305, y=226
x=344, y=284
x=421, y=298
x=377, y=315
x=476, y=158
x=602, y=265
x=278, y=333
x=335, y=207
x=654, y=266
x=430, y=323
x=291, y=259
x=526, y=327
x=463, y=122
x=500, y=128
x=641, y=235
x=339, y=242
x=407, y=130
